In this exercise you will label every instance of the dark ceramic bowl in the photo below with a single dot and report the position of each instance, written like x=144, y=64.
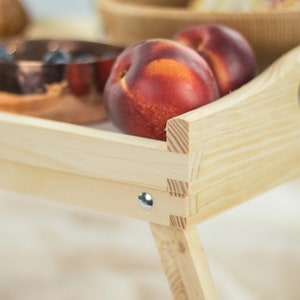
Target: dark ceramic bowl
x=70, y=91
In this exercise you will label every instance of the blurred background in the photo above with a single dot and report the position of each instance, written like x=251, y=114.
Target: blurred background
x=50, y=251
x=45, y=9
x=67, y=18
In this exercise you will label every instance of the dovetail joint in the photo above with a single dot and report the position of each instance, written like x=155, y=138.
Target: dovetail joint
x=177, y=188
x=178, y=222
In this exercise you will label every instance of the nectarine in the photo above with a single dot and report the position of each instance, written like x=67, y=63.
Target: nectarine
x=153, y=81
x=226, y=50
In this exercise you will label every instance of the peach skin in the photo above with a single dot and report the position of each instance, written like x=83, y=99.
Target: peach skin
x=153, y=81
x=228, y=53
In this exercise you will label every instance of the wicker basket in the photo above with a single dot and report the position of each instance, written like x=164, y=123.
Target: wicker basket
x=271, y=33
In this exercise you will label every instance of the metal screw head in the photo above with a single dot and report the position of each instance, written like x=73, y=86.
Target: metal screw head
x=145, y=200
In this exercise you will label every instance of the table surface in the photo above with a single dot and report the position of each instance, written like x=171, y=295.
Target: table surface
x=52, y=251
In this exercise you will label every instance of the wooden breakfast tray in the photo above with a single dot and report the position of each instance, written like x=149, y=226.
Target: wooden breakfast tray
x=215, y=157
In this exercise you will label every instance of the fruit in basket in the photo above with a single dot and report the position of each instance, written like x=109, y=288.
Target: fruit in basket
x=154, y=80
x=227, y=51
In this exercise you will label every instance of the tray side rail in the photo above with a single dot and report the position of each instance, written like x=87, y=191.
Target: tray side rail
x=243, y=144
x=92, y=168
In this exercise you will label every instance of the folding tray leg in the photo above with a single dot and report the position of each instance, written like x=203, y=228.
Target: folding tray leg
x=184, y=263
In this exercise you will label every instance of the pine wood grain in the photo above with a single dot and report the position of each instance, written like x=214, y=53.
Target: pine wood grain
x=89, y=152
x=87, y=192
x=184, y=263
x=243, y=144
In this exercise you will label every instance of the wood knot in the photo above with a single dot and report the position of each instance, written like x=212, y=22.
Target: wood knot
x=180, y=247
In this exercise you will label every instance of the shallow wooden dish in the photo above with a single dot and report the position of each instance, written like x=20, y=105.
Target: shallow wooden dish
x=215, y=157
x=270, y=33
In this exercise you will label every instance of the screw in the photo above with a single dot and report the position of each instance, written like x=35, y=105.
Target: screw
x=145, y=201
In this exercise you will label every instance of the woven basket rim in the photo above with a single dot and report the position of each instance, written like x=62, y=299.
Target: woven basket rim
x=146, y=9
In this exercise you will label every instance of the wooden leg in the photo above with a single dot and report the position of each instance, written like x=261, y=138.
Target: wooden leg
x=184, y=263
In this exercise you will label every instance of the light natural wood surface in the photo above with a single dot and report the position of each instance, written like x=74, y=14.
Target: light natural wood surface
x=91, y=152
x=98, y=169
x=244, y=144
x=87, y=192
x=184, y=263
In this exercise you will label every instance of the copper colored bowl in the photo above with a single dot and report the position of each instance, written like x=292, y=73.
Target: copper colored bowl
x=69, y=92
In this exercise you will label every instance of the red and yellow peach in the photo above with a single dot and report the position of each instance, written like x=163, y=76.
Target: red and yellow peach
x=153, y=81
x=227, y=51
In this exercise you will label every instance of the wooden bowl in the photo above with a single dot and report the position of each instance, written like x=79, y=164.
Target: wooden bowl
x=271, y=33
x=70, y=92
